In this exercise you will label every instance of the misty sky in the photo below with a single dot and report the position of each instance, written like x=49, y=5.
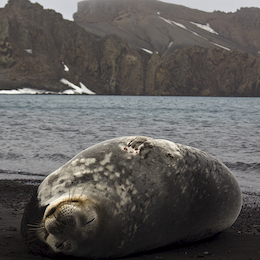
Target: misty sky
x=68, y=7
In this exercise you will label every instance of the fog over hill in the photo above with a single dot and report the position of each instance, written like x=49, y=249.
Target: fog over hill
x=137, y=47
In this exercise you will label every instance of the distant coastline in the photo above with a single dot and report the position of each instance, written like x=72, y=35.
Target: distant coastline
x=169, y=50
x=74, y=90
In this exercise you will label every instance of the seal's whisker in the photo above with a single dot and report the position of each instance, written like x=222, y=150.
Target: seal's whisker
x=37, y=228
x=83, y=189
x=33, y=235
x=75, y=198
x=79, y=196
x=69, y=193
x=72, y=194
x=35, y=225
x=30, y=241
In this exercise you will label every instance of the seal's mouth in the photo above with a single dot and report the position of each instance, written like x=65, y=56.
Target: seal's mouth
x=59, y=245
x=56, y=241
x=63, y=245
x=88, y=222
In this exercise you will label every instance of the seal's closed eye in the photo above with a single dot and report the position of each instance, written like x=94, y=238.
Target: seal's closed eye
x=51, y=212
x=89, y=221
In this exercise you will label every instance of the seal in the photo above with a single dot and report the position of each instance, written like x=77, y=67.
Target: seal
x=128, y=195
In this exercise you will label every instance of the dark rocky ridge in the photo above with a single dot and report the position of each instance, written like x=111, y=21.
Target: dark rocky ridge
x=52, y=41
x=107, y=65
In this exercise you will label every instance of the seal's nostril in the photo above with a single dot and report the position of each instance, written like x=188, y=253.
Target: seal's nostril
x=67, y=220
x=54, y=227
x=66, y=214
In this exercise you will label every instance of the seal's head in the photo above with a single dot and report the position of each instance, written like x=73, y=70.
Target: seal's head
x=68, y=222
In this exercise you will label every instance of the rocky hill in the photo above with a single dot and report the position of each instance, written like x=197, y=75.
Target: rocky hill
x=38, y=48
x=164, y=27
x=35, y=42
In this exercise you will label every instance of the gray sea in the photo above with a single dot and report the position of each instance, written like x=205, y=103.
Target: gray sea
x=39, y=133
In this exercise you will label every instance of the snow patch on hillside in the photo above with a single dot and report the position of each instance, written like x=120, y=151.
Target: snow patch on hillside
x=86, y=90
x=29, y=91
x=30, y=51
x=23, y=91
x=206, y=27
x=76, y=89
x=65, y=67
x=220, y=46
x=180, y=25
x=148, y=51
x=170, y=45
x=173, y=23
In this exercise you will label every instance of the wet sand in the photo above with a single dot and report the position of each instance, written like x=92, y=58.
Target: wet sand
x=240, y=242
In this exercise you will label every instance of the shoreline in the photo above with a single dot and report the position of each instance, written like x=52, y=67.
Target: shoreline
x=241, y=241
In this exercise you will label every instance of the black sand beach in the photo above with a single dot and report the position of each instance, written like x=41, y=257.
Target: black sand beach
x=240, y=242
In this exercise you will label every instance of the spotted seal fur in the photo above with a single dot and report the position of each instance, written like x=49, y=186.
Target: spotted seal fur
x=128, y=195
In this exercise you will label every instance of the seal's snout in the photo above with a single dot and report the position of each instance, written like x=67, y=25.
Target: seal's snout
x=68, y=222
x=65, y=214
x=61, y=218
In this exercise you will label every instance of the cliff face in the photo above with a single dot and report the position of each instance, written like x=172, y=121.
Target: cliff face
x=207, y=72
x=35, y=43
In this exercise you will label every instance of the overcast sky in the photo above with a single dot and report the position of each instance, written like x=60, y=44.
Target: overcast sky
x=68, y=7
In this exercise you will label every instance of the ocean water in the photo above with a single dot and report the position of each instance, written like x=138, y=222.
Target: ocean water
x=39, y=133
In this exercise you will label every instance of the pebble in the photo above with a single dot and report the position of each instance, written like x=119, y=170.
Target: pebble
x=11, y=228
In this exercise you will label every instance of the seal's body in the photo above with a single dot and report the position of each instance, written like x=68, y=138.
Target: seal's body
x=128, y=195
